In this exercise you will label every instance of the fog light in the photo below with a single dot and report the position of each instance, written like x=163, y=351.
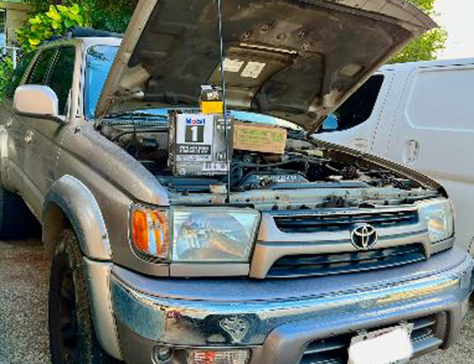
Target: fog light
x=219, y=357
x=162, y=355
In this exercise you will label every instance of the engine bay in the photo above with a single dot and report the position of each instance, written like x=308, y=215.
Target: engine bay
x=304, y=163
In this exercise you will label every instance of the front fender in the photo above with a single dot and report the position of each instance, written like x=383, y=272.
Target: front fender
x=68, y=198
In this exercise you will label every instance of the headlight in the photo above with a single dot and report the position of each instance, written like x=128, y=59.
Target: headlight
x=213, y=235
x=439, y=218
x=193, y=235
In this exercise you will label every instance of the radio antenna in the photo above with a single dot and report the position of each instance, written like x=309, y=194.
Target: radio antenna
x=224, y=96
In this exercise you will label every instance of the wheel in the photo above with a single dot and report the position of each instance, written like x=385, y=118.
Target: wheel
x=71, y=330
x=16, y=220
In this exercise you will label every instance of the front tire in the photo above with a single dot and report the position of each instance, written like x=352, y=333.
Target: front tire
x=72, y=335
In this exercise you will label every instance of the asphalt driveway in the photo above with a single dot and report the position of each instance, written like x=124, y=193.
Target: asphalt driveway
x=23, y=310
x=23, y=303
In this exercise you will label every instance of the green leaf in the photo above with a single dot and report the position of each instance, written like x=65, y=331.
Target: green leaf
x=34, y=42
x=75, y=9
x=35, y=20
x=77, y=18
x=53, y=13
x=62, y=8
x=56, y=25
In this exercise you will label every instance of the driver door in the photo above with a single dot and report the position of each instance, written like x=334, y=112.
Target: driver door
x=13, y=175
x=43, y=136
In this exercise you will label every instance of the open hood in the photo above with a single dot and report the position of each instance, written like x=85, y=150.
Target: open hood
x=293, y=59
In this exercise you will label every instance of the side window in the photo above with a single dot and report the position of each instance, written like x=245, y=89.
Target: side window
x=61, y=76
x=357, y=109
x=18, y=75
x=40, y=72
x=55, y=68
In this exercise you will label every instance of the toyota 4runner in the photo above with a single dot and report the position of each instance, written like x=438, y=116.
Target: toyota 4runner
x=195, y=221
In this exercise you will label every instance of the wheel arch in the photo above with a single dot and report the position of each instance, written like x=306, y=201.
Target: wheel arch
x=4, y=161
x=70, y=203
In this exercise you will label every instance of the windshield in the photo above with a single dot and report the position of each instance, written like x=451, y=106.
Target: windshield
x=99, y=62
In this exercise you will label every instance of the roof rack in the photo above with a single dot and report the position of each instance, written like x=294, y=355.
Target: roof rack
x=81, y=32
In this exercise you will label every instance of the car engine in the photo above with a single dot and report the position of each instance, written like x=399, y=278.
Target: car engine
x=304, y=164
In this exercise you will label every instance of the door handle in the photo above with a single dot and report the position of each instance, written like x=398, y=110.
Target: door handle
x=29, y=136
x=410, y=152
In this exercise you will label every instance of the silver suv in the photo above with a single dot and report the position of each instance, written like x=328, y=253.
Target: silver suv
x=192, y=222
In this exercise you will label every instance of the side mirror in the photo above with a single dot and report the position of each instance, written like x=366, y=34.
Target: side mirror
x=36, y=101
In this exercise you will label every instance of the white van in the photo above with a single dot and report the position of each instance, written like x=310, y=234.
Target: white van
x=420, y=115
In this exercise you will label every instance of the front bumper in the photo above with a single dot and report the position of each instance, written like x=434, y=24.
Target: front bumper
x=278, y=319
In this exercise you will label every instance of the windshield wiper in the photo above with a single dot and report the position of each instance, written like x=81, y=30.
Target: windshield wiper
x=135, y=119
x=135, y=116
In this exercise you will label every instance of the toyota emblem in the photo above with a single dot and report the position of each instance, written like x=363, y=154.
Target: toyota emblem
x=364, y=236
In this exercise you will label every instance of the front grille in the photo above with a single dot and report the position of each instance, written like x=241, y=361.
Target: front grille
x=335, y=350
x=329, y=264
x=312, y=223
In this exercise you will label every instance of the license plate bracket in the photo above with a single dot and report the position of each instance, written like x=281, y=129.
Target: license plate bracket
x=385, y=346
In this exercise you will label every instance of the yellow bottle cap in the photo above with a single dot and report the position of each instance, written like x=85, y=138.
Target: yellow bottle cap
x=212, y=107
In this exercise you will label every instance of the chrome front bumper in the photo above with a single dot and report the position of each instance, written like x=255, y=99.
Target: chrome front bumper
x=277, y=319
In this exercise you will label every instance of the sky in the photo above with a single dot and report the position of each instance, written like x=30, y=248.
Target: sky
x=457, y=16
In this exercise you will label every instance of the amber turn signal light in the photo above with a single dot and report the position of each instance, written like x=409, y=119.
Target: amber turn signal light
x=150, y=232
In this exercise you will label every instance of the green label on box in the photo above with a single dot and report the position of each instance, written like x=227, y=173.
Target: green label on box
x=259, y=136
x=260, y=139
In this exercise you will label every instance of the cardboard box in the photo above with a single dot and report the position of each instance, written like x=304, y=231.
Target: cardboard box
x=259, y=138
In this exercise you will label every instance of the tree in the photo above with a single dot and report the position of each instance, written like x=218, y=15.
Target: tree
x=110, y=15
x=425, y=47
x=56, y=21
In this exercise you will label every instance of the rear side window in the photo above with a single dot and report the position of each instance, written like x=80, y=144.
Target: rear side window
x=61, y=76
x=18, y=75
x=40, y=72
x=357, y=109
x=55, y=68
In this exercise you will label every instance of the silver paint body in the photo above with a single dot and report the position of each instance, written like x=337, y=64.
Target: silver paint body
x=66, y=171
